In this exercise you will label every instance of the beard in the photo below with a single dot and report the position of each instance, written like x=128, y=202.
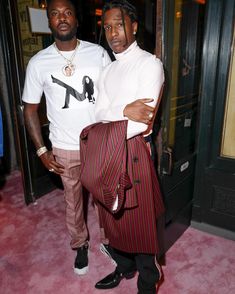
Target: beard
x=69, y=36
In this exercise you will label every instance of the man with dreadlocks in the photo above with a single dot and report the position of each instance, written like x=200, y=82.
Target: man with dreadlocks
x=128, y=209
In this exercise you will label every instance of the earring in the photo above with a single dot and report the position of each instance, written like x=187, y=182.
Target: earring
x=134, y=33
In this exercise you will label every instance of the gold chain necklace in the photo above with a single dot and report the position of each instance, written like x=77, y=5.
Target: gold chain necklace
x=68, y=69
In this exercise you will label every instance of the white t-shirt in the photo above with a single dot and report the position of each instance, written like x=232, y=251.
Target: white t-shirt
x=70, y=100
x=135, y=74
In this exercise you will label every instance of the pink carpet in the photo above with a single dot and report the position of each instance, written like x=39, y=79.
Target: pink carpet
x=35, y=257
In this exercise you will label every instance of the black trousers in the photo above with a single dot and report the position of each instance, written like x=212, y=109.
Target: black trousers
x=149, y=273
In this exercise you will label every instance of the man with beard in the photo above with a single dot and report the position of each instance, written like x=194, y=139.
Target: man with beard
x=58, y=72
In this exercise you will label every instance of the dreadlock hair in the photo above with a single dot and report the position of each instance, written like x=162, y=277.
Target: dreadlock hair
x=125, y=8
x=124, y=5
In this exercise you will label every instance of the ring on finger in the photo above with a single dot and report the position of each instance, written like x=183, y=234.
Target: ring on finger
x=51, y=170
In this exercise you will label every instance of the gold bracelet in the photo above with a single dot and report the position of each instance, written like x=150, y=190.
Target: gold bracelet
x=41, y=151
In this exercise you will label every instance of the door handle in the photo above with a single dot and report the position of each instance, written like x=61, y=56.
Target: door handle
x=167, y=161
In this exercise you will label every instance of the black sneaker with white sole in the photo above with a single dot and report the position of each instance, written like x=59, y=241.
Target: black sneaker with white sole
x=81, y=261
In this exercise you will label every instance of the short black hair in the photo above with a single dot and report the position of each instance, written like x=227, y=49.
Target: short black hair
x=124, y=5
x=73, y=3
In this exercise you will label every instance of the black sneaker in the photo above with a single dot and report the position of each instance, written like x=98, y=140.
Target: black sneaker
x=107, y=251
x=81, y=261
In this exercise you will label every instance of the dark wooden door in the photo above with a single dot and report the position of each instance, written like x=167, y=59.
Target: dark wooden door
x=37, y=181
x=182, y=50
x=214, y=202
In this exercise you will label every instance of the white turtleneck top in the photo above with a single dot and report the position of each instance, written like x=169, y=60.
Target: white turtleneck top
x=134, y=74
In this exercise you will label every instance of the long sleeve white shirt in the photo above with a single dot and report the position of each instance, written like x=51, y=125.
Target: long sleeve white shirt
x=133, y=75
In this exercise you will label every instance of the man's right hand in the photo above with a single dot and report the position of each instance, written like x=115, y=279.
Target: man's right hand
x=49, y=162
x=33, y=126
x=139, y=111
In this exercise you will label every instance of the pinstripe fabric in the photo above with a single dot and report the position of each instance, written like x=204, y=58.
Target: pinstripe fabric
x=133, y=227
x=104, y=172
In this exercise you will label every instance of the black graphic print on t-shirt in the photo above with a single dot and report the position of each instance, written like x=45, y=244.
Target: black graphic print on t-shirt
x=87, y=93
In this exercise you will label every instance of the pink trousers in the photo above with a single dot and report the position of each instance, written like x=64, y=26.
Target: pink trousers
x=75, y=222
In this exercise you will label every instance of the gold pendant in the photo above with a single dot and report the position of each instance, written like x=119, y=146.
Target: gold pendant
x=68, y=70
